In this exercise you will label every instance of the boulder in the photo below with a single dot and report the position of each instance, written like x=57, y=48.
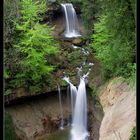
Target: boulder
x=78, y=41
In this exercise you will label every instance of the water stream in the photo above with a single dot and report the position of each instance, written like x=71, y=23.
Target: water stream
x=72, y=28
x=73, y=93
x=78, y=97
x=79, y=124
x=61, y=109
x=68, y=104
x=79, y=107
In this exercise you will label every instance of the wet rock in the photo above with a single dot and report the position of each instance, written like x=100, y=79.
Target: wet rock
x=41, y=116
x=53, y=12
x=49, y=124
x=78, y=41
x=38, y=116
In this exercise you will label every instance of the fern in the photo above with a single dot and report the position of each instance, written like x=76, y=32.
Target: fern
x=34, y=45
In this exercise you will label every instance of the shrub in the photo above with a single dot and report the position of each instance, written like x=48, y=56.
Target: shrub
x=133, y=134
x=114, y=39
x=30, y=67
x=9, y=128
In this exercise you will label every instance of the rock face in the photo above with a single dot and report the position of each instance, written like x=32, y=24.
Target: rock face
x=37, y=116
x=119, y=105
x=40, y=116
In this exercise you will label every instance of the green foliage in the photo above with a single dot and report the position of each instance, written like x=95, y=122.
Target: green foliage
x=9, y=128
x=133, y=7
x=90, y=11
x=94, y=92
x=132, y=77
x=31, y=11
x=11, y=13
x=133, y=134
x=118, y=80
x=96, y=98
x=75, y=57
x=6, y=73
x=33, y=49
x=114, y=39
x=69, y=1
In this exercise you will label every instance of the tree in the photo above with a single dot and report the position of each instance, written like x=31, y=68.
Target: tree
x=114, y=39
x=34, y=45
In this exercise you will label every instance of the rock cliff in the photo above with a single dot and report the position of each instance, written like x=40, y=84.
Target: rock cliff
x=119, y=106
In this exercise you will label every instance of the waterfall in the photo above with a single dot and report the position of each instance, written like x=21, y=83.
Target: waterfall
x=71, y=21
x=78, y=96
x=79, y=105
x=79, y=112
x=79, y=124
x=73, y=93
x=61, y=109
x=68, y=103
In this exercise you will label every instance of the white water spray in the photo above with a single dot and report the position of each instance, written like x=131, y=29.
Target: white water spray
x=68, y=102
x=79, y=124
x=72, y=29
x=61, y=109
x=79, y=121
x=73, y=93
x=84, y=51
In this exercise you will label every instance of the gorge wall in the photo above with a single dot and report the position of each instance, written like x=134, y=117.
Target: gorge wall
x=119, y=106
x=40, y=116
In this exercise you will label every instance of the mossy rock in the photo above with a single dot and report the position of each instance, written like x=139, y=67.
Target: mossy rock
x=9, y=128
x=78, y=41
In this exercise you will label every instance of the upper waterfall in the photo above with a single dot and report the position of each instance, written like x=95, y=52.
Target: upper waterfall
x=72, y=28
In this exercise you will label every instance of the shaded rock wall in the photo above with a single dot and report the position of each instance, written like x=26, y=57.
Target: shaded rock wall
x=40, y=115
x=37, y=116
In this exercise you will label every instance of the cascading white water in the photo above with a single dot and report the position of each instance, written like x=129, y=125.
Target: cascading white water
x=79, y=121
x=68, y=103
x=73, y=93
x=71, y=21
x=78, y=96
x=86, y=52
x=79, y=124
x=61, y=109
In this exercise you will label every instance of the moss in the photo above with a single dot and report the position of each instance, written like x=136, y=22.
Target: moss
x=9, y=128
x=118, y=80
x=133, y=134
x=96, y=98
